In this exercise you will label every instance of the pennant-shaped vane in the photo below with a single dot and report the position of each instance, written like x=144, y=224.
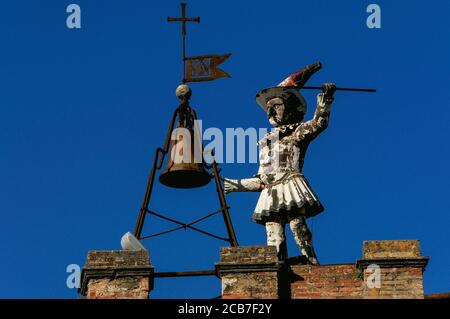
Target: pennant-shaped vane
x=204, y=68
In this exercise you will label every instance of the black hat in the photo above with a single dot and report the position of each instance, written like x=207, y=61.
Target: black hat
x=290, y=86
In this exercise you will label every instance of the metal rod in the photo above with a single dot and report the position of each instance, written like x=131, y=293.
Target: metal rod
x=162, y=233
x=183, y=21
x=146, y=200
x=183, y=10
x=187, y=226
x=207, y=216
x=169, y=135
x=151, y=178
x=181, y=227
x=339, y=89
x=169, y=274
x=223, y=203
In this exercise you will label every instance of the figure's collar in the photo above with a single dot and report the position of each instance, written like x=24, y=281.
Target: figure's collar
x=278, y=130
x=284, y=128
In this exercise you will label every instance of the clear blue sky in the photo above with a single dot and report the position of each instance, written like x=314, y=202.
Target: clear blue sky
x=82, y=111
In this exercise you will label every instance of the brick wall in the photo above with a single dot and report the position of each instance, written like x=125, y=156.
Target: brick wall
x=249, y=272
x=397, y=283
x=388, y=270
x=120, y=288
x=328, y=281
x=401, y=269
x=117, y=275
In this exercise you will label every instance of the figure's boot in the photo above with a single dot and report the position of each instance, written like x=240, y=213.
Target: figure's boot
x=307, y=249
x=303, y=239
x=276, y=237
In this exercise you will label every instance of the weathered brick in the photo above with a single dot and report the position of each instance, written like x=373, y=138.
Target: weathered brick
x=117, y=275
x=391, y=249
x=249, y=272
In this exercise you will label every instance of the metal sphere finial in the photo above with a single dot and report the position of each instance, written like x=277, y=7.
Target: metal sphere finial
x=183, y=92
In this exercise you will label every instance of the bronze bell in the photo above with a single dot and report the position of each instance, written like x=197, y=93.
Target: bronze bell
x=182, y=171
x=185, y=167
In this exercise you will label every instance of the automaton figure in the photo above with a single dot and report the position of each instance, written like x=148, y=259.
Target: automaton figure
x=286, y=196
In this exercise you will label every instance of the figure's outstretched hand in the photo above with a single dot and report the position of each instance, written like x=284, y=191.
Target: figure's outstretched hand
x=328, y=90
x=230, y=185
x=242, y=185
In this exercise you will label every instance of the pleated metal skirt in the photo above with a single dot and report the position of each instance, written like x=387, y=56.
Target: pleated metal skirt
x=285, y=199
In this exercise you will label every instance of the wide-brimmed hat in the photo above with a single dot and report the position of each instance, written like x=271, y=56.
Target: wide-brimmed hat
x=289, y=87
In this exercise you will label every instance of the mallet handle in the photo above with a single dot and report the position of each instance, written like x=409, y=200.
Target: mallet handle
x=339, y=89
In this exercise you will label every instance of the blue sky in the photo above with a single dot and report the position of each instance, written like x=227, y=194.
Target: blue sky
x=82, y=111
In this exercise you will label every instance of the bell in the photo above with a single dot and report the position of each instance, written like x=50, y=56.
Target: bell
x=182, y=171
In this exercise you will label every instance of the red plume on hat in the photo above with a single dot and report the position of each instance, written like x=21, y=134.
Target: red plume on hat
x=299, y=78
x=292, y=84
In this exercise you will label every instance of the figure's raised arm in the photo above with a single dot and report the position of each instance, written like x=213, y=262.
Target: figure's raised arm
x=312, y=128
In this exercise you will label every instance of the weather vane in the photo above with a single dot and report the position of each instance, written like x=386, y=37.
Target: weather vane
x=198, y=68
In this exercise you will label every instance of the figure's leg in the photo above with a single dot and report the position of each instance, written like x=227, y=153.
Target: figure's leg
x=303, y=238
x=276, y=237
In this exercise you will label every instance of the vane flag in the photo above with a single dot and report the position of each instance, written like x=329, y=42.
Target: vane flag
x=199, y=68
x=204, y=68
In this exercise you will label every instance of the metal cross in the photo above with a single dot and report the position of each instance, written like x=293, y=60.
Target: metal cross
x=183, y=21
